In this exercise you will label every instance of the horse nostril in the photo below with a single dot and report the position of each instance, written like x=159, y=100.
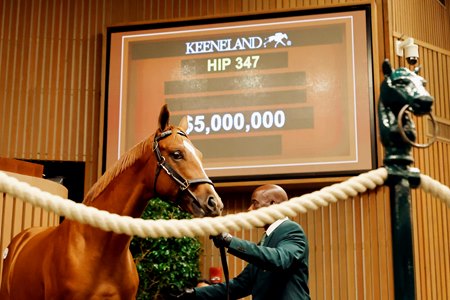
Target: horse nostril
x=211, y=202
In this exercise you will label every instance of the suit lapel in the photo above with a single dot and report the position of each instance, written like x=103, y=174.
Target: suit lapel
x=269, y=240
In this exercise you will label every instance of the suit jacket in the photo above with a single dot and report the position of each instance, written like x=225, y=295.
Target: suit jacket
x=278, y=269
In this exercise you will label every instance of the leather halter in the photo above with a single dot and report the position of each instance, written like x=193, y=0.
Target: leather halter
x=180, y=180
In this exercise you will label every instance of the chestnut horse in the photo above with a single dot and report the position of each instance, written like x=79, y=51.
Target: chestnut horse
x=77, y=261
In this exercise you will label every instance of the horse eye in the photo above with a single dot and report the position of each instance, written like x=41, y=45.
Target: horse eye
x=424, y=83
x=177, y=155
x=401, y=81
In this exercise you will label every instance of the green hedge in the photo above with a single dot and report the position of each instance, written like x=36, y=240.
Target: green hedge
x=165, y=265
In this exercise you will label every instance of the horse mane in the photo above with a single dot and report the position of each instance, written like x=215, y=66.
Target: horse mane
x=125, y=161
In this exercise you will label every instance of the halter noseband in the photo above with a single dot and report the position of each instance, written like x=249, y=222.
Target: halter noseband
x=180, y=180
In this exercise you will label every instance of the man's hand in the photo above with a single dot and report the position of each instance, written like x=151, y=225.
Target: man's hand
x=222, y=239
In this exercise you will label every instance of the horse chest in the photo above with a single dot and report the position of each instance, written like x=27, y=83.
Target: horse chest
x=104, y=290
x=95, y=286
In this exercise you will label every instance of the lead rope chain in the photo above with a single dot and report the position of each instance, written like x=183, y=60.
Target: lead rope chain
x=208, y=225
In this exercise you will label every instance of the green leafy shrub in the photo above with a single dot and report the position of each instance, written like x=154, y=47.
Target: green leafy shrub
x=165, y=265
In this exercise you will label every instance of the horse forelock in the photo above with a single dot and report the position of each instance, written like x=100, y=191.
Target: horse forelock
x=126, y=160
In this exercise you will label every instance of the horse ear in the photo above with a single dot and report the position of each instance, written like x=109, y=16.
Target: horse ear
x=387, y=69
x=164, y=117
x=183, y=124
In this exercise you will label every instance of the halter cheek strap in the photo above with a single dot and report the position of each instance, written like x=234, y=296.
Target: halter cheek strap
x=163, y=165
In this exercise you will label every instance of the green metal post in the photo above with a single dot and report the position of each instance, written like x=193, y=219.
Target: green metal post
x=400, y=181
x=401, y=90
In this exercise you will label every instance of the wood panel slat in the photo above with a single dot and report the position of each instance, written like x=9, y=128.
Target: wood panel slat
x=433, y=26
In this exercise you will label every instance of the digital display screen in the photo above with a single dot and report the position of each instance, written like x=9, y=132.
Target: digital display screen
x=278, y=95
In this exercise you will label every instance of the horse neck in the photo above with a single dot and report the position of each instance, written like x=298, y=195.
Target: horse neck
x=127, y=195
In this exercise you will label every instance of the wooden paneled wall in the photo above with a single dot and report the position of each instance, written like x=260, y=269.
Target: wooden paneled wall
x=50, y=80
x=51, y=109
x=425, y=20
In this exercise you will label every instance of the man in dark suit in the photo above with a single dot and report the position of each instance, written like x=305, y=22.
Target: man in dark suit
x=277, y=267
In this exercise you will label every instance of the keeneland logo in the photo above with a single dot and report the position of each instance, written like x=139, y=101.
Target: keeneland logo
x=237, y=44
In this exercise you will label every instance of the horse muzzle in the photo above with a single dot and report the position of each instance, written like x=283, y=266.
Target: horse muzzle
x=422, y=105
x=207, y=203
x=214, y=206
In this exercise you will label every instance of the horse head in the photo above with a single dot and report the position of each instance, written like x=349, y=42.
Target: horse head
x=404, y=87
x=179, y=163
x=401, y=90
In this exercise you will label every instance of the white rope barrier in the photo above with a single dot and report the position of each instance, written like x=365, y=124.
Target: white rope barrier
x=194, y=227
x=207, y=225
x=435, y=188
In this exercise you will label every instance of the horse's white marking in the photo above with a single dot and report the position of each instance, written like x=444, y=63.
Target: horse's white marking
x=194, y=153
x=5, y=253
